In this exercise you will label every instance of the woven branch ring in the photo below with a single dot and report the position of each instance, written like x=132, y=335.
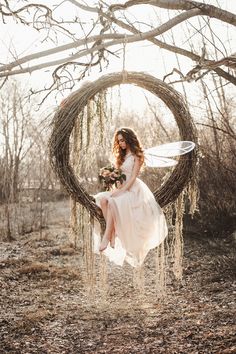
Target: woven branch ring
x=66, y=116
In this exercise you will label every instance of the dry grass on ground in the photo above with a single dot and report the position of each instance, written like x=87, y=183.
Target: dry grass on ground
x=46, y=308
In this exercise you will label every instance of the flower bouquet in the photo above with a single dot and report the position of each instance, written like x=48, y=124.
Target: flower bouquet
x=110, y=176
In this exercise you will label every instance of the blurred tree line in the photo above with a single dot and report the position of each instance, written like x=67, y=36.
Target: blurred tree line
x=192, y=45
x=26, y=177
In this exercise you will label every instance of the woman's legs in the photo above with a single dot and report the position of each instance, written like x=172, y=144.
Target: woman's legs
x=103, y=204
x=110, y=230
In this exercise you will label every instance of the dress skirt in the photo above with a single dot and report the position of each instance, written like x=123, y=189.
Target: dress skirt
x=139, y=221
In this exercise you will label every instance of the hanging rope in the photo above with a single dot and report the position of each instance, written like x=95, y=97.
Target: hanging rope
x=124, y=72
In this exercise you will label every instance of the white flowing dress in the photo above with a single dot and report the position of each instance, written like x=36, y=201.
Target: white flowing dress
x=140, y=224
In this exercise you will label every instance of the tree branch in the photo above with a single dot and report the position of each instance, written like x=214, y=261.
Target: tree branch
x=129, y=39
x=101, y=42
x=59, y=49
x=207, y=10
x=220, y=129
x=229, y=61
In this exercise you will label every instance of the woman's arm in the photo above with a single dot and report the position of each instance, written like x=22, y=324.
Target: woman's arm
x=128, y=185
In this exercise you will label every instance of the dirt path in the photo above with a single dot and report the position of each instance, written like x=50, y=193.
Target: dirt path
x=46, y=309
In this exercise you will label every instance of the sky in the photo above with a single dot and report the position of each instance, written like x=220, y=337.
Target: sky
x=20, y=39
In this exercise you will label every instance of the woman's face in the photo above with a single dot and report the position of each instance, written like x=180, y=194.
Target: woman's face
x=121, y=142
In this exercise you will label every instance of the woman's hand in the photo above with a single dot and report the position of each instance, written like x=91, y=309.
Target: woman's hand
x=116, y=193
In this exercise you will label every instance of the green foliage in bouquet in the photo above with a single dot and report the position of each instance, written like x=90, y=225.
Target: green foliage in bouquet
x=110, y=176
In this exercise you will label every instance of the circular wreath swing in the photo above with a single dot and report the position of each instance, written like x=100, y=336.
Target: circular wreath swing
x=64, y=121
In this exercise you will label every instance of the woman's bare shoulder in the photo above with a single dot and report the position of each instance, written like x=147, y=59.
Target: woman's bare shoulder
x=138, y=160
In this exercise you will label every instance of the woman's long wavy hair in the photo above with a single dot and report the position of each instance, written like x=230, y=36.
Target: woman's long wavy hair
x=132, y=140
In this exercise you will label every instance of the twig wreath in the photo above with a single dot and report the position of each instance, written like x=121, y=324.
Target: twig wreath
x=64, y=121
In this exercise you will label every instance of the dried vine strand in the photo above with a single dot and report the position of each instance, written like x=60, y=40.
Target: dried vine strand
x=85, y=110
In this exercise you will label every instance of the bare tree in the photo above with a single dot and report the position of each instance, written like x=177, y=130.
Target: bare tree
x=14, y=118
x=112, y=26
x=25, y=173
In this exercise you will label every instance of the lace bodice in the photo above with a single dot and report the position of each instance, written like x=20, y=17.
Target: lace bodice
x=128, y=165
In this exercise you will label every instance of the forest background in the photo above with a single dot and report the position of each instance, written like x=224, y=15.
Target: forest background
x=51, y=48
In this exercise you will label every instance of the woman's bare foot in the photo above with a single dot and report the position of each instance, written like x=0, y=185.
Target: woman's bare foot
x=104, y=244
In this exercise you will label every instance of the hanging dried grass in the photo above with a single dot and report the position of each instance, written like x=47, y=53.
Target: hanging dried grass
x=89, y=276
x=193, y=191
x=177, y=243
x=84, y=114
x=139, y=281
x=74, y=226
x=103, y=280
x=161, y=269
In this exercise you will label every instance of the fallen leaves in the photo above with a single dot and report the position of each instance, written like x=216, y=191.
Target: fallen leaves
x=47, y=309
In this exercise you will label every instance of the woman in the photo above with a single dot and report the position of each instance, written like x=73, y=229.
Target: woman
x=135, y=222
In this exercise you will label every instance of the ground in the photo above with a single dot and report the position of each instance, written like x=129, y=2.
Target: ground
x=47, y=308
